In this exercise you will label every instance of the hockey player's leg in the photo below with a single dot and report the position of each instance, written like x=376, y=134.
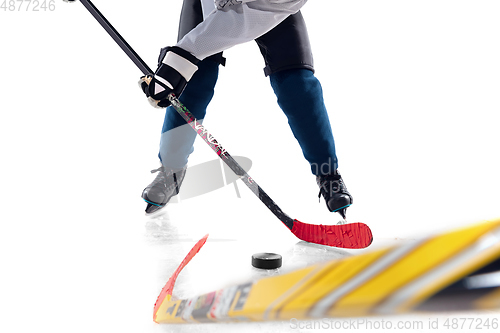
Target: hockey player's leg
x=300, y=96
x=177, y=138
x=289, y=63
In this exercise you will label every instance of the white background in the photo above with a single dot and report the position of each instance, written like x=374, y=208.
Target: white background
x=412, y=89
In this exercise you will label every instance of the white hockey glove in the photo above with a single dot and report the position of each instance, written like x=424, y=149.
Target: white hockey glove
x=175, y=68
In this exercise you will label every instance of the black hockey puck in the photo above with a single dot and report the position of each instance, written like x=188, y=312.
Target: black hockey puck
x=266, y=260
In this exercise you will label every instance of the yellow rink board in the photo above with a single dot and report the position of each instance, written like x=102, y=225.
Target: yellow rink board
x=387, y=281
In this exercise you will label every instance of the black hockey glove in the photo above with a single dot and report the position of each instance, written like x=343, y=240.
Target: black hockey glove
x=175, y=68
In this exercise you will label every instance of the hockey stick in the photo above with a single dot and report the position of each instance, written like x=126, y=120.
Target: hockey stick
x=351, y=235
x=166, y=292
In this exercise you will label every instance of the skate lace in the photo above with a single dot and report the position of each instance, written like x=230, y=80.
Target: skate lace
x=162, y=169
x=160, y=177
x=164, y=178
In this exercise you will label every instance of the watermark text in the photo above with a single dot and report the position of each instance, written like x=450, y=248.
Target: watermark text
x=470, y=323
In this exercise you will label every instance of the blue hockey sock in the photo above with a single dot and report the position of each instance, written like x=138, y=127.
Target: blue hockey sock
x=300, y=96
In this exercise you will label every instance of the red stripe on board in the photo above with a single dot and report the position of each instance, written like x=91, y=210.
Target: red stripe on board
x=168, y=288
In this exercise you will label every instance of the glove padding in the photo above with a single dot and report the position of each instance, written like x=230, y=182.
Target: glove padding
x=175, y=68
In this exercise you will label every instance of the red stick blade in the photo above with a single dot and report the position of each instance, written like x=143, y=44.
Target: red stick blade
x=350, y=235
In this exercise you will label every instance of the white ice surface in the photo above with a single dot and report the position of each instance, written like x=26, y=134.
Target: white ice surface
x=412, y=91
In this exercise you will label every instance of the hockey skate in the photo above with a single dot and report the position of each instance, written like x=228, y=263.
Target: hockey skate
x=334, y=192
x=166, y=184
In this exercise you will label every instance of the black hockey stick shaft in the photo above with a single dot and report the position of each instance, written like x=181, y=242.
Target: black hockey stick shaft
x=353, y=235
x=117, y=37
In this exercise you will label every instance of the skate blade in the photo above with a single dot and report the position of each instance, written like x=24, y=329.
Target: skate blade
x=155, y=213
